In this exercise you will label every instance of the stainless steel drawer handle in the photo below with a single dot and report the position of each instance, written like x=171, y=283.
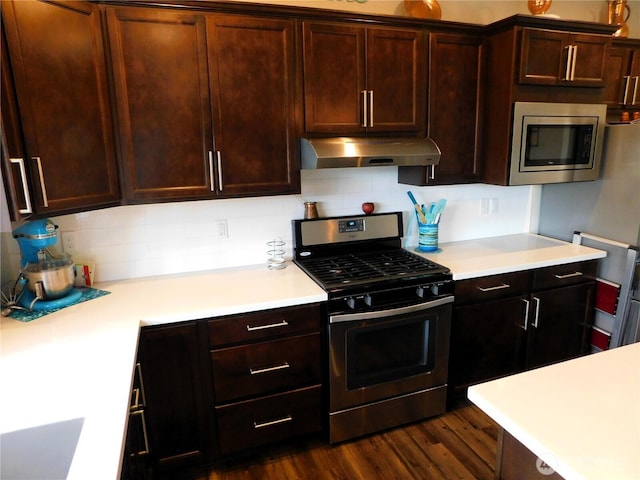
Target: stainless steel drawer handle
x=270, y=423
x=257, y=371
x=283, y=323
x=144, y=433
x=569, y=275
x=497, y=287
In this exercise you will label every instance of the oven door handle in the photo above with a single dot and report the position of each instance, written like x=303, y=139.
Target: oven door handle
x=351, y=317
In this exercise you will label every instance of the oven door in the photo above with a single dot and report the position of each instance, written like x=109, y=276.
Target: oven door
x=383, y=354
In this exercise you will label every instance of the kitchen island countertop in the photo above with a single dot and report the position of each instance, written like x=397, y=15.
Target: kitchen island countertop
x=581, y=417
x=78, y=362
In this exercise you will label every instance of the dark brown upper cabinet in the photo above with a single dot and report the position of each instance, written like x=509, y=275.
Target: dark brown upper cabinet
x=206, y=104
x=363, y=80
x=58, y=144
x=454, y=108
x=623, y=67
x=561, y=58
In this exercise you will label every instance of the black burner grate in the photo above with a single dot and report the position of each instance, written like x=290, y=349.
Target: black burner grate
x=369, y=267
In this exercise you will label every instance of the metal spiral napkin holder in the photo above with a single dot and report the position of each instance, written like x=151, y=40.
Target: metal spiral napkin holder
x=276, y=254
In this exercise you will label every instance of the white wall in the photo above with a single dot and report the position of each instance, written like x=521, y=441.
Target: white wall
x=142, y=240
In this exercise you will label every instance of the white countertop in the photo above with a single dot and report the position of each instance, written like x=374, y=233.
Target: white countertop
x=78, y=362
x=509, y=253
x=581, y=416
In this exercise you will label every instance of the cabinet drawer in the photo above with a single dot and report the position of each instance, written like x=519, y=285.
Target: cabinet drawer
x=257, y=369
x=262, y=325
x=492, y=287
x=269, y=419
x=563, y=275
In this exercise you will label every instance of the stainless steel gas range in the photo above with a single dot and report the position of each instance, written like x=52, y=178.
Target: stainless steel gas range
x=388, y=322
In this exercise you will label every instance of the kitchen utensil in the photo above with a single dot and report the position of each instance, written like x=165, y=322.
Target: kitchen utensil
x=418, y=208
x=310, y=210
x=429, y=9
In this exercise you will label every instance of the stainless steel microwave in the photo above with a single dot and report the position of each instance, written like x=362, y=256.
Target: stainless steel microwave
x=556, y=142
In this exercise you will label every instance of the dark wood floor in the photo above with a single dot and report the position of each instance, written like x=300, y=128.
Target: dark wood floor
x=460, y=444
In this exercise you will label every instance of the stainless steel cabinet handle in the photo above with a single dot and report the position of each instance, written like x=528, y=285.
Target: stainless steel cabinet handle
x=569, y=275
x=635, y=90
x=497, y=287
x=142, y=392
x=433, y=172
x=219, y=160
x=286, y=419
x=627, y=80
x=526, y=314
x=42, y=185
x=258, y=371
x=282, y=323
x=25, y=187
x=567, y=68
x=211, y=182
x=371, y=108
x=535, y=320
x=573, y=62
x=365, y=110
x=144, y=433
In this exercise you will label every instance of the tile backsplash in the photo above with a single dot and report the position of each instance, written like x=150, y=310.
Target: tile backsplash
x=157, y=239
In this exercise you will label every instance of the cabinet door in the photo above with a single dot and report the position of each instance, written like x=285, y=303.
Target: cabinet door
x=253, y=85
x=486, y=341
x=176, y=418
x=14, y=164
x=590, y=60
x=453, y=111
x=396, y=80
x=543, y=57
x=559, y=58
x=163, y=104
x=617, y=65
x=560, y=323
x=334, y=78
x=57, y=58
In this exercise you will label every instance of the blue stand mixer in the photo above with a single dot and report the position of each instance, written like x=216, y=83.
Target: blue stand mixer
x=47, y=280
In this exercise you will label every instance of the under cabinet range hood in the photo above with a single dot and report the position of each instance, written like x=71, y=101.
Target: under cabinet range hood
x=342, y=152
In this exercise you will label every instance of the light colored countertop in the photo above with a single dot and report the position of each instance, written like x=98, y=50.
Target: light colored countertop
x=78, y=362
x=509, y=253
x=581, y=416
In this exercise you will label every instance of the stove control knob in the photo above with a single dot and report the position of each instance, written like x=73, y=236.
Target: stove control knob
x=435, y=289
x=420, y=292
x=351, y=303
x=368, y=300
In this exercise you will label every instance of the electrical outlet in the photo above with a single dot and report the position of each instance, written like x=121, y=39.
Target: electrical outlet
x=221, y=229
x=69, y=242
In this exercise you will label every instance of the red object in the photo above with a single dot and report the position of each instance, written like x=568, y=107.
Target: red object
x=600, y=339
x=607, y=296
x=368, y=207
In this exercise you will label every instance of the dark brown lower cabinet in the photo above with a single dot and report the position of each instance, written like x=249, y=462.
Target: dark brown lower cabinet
x=504, y=324
x=177, y=417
